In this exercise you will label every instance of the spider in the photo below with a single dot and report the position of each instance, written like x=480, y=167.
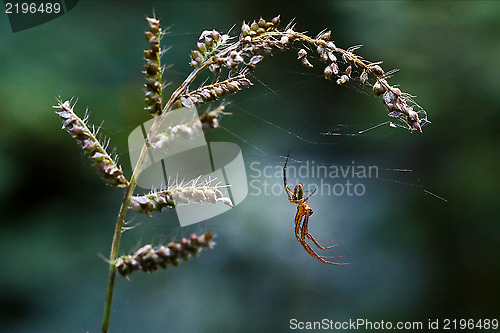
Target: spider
x=303, y=210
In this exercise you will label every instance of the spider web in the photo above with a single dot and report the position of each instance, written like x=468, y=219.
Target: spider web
x=289, y=132
x=321, y=124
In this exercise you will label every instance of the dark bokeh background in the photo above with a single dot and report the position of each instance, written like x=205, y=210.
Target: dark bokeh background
x=413, y=256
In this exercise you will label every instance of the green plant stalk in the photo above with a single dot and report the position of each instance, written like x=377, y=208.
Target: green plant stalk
x=133, y=182
x=118, y=233
x=128, y=195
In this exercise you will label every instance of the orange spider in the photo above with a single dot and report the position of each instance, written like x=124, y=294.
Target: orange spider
x=303, y=210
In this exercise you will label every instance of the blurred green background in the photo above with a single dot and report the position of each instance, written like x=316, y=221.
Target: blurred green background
x=413, y=256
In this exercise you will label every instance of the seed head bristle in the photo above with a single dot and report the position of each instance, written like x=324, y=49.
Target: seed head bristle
x=78, y=129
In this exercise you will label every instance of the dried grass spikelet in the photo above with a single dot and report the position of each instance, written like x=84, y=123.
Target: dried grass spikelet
x=210, y=119
x=177, y=195
x=392, y=98
x=155, y=201
x=263, y=36
x=78, y=129
x=396, y=103
x=246, y=55
x=189, y=130
x=302, y=56
x=164, y=140
x=213, y=91
x=196, y=191
x=209, y=42
x=259, y=27
x=210, y=194
x=148, y=259
x=152, y=68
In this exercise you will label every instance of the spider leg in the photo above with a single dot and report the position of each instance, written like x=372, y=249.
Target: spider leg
x=305, y=230
x=309, y=195
x=318, y=245
x=284, y=172
x=308, y=248
x=288, y=191
x=298, y=219
x=299, y=233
